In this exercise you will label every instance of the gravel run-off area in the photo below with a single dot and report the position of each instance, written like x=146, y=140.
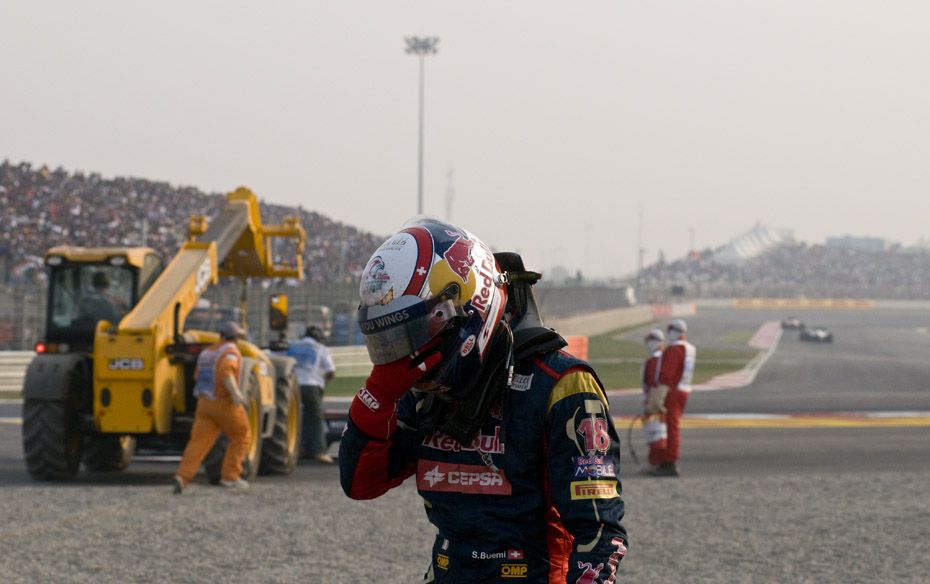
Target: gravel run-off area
x=863, y=527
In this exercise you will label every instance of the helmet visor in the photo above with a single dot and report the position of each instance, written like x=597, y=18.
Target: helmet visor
x=402, y=326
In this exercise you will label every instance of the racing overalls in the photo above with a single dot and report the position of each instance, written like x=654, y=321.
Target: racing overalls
x=216, y=411
x=676, y=371
x=654, y=425
x=536, y=495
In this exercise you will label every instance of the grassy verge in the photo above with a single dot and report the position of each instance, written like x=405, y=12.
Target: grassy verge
x=613, y=375
x=343, y=386
x=626, y=375
x=617, y=361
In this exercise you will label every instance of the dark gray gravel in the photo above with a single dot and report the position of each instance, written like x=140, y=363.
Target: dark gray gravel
x=782, y=528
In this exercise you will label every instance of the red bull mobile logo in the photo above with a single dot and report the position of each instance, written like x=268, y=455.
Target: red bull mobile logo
x=459, y=257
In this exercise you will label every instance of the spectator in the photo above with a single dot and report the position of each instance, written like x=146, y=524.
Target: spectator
x=41, y=208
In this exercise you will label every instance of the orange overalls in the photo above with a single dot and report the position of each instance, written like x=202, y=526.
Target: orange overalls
x=216, y=411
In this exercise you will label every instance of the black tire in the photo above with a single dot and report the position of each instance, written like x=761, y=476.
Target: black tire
x=213, y=463
x=52, y=441
x=108, y=452
x=281, y=449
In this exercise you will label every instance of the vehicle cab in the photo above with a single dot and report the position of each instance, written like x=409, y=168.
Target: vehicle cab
x=87, y=285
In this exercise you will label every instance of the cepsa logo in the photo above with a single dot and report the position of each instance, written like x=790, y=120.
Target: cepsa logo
x=513, y=571
x=468, y=479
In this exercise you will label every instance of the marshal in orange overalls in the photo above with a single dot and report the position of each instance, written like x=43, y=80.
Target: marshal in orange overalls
x=216, y=411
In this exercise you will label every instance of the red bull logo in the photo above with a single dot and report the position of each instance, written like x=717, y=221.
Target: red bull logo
x=459, y=257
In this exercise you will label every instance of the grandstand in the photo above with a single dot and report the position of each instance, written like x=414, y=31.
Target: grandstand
x=791, y=269
x=40, y=208
x=753, y=243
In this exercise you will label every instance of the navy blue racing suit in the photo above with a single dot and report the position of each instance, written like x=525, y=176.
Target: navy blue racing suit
x=535, y=497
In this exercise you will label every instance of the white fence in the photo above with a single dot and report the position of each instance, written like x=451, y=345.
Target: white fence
x=13, y=369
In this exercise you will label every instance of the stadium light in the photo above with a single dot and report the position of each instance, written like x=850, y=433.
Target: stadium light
x=421, y=47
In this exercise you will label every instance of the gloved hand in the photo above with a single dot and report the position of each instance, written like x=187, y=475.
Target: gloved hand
x=235, y=394
x=655, y=401
x=374, y=407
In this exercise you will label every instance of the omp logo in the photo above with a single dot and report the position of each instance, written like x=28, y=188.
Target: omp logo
x=126, y=365
x=203, y=276
x=369, y=400
x=513, y=571
x=593, y=490
x=442, y=562
x=434, y=476
x=461, y=478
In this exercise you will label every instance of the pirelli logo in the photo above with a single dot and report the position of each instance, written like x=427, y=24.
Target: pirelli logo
x=593, y=490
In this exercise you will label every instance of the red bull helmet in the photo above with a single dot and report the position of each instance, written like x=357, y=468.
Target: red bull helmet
x=432, y=284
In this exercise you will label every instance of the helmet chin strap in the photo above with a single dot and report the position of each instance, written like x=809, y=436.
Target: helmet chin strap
x=462, y=418
x=510, y=359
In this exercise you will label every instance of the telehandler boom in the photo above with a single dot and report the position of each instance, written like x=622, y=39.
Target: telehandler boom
x=116, y=367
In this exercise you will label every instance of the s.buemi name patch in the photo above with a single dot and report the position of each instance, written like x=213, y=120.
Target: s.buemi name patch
x=593, y=490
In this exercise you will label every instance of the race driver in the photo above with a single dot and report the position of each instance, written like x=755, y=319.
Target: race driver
x=508, y=436
x=671, y=395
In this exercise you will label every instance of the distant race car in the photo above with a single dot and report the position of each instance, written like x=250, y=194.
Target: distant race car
x=816, y=334
x=792, y=323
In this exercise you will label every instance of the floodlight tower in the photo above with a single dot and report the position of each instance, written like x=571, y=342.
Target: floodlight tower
x=421, y=47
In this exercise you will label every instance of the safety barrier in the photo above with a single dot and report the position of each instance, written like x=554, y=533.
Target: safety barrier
x=804, y=303
x=602, y=321
x=13, y=370
x=673, y=310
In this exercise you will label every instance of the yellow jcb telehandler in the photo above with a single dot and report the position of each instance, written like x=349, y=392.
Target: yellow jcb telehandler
x=114, y=371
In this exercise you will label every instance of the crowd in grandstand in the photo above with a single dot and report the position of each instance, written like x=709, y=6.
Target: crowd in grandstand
x=40, y=207
x=793, y=269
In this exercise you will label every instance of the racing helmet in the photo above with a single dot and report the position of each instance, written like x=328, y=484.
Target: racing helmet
x=654, y=340
x=432, y=287
x=677, y=329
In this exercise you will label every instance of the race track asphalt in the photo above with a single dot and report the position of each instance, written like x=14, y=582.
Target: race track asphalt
x=755, y=504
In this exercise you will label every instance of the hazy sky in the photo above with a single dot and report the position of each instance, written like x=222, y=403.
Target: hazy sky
x=560, y=119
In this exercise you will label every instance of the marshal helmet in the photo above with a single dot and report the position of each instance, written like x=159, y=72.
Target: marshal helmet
x=676, y=330
x=654, y=340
